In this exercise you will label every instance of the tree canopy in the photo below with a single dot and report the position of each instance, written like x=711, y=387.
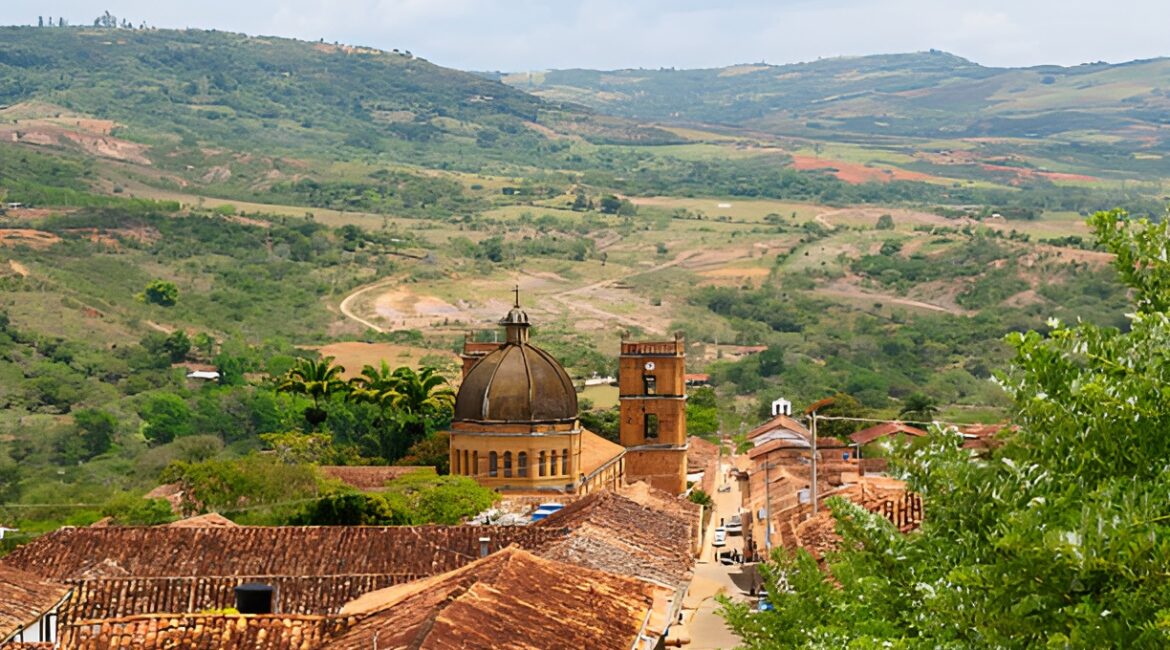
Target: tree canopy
x=1059, y=539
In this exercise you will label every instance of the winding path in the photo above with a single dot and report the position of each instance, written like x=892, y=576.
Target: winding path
x=347, y=311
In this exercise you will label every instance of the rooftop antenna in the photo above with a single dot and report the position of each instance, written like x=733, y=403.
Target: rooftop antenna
x=516, y=290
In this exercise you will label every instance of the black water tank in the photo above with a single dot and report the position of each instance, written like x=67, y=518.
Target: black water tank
x=254, y=598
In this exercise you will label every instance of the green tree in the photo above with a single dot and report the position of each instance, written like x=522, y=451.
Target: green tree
x=1059, y=539
x=350, y=509
x=96, y=429
x=166, y=416
x=431, y=499
x=412, y=403
x=610, y=204
x=702, y=412
x=431, y=451
x=317, y=379
x=177, y=346
x=884, y=222
x=161, y=292
x=918, y=407
x=842, y=406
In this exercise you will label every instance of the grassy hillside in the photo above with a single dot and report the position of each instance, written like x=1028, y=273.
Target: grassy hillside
x=174, y=90
x=923, y=94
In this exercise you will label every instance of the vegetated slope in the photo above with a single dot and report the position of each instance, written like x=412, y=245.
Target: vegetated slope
x=273, y=94
x=924, y=94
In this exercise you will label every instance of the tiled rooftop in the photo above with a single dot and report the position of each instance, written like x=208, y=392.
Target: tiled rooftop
x=23, y=598
x=264, y=551
x=135, y=571
x=221, y=632
x=612, y=533
x=868, y=435
x=510, y=600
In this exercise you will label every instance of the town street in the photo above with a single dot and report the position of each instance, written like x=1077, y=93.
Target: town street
x=703, y=625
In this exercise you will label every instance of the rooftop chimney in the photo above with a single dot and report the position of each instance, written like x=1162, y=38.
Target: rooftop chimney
x=254, y=598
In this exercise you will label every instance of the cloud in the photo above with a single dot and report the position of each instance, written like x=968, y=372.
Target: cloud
x=534, y=34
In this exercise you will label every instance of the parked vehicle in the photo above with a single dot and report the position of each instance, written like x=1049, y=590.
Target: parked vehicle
x=734, y=525
x=726, y=487
x=720, y=537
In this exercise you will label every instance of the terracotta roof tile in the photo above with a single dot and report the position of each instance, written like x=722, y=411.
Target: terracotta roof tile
x=23, y=598
x=136, y=571
x=779, y=422
x=700, y=453
x=866, y=436
x=264, y=551
x=597, y=451
x=121, y=597
x=223, y=632
x=371, y=477
x=209, y=520
x=612, y=533
x=511, y=600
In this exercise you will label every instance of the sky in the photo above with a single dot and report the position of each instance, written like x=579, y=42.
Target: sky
x=519, y=35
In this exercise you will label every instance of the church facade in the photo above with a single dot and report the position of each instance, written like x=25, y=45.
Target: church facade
x=515, y=427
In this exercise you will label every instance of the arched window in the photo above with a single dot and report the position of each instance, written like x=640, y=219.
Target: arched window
x=475, y=463
x=522, y=464
x=467, y=469
x=565, y=462
x=493, y=464
x=541, y=462
x=455, y=461
x=508, y=464
x=552, y=467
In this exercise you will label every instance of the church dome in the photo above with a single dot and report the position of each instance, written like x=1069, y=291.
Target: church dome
x=517, y=383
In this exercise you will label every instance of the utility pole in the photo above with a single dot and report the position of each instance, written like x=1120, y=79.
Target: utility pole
x=813, y=487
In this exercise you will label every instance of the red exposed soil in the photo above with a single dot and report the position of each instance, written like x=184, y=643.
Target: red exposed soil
x=857, y=173
x=1022, y=172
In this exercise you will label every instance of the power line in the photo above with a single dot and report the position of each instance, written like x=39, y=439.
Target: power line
x=881, y=421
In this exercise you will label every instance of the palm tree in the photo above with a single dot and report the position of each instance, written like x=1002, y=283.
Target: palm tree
x=409, y=399
x=317, y=379
x=919, y=408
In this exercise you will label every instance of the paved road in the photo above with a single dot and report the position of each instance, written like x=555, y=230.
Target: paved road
x=705, y=628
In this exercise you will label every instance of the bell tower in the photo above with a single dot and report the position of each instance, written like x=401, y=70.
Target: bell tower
x=653, y=427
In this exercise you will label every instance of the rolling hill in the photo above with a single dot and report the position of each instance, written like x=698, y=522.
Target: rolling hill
x=926, y=95
x=158, y=92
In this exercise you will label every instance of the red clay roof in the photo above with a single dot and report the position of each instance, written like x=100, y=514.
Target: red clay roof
x=138, y=571
x=508, y=600
x=24, y=598
x=223, y=632
x=209, y=520
x=612, y=533
x=866, y=436
x=259, y=551
x=779, y=422
x=700, y=452
x=371, y=477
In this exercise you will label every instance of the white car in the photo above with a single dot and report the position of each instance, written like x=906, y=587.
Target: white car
x=720, y=537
